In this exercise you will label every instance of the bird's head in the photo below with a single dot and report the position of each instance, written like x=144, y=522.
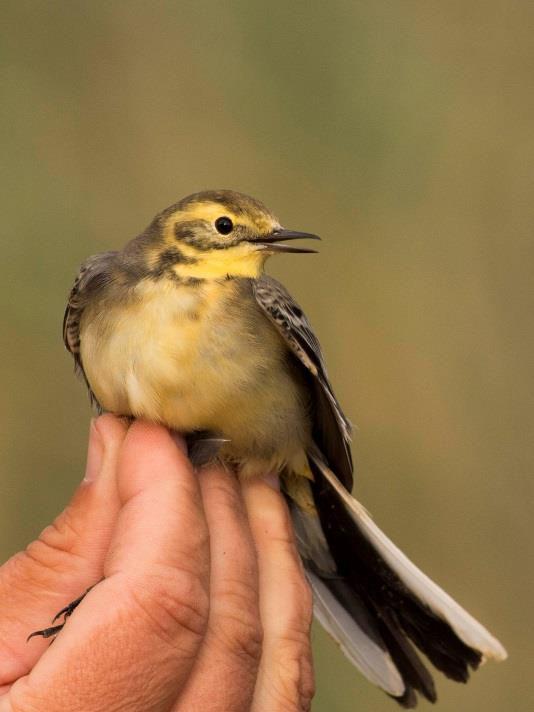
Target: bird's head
x=220, y=233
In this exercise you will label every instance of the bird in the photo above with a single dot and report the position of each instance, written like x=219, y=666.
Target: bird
x=183, y=327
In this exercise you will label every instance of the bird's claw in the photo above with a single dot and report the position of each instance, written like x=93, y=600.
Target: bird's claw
x=46, y=632
x=67, y=611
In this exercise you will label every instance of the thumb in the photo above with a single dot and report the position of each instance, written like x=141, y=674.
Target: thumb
x=134, y=639
x=65, y=559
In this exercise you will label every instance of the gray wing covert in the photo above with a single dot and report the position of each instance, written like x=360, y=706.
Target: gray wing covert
x=331, y=429
x=93, y=276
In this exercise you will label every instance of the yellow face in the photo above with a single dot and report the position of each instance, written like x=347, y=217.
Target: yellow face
x=219, y=234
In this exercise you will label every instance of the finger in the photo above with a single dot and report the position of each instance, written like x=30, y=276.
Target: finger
x=67, y=557
x=285, y=679
x=230, y=655
x=133, y=640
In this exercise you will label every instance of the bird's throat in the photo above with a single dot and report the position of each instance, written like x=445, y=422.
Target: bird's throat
x=243, y=260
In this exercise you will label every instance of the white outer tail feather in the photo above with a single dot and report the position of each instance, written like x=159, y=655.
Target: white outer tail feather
x=370, y=659
x=467, y=628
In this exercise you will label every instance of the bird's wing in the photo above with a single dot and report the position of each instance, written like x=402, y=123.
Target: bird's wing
x=93, y=276
x=331, y=429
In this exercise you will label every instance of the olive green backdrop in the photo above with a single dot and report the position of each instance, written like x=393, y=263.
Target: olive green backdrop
x=402, y=132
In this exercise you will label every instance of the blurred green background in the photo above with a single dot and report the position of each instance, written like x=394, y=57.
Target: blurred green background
x=400, y=132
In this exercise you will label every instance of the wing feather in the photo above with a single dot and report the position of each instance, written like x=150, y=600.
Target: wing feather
x=332, y=430
x=93, y=276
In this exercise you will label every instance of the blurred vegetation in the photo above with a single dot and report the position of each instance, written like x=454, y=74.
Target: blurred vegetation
x=400, y=132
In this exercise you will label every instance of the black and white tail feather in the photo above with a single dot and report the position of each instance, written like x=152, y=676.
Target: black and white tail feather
x=368, y=595
x=376, y=603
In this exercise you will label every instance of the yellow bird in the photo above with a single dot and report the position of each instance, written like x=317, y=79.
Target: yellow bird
x=183, y=328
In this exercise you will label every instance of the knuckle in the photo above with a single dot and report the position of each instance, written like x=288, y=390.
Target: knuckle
x=242, y=637
x=293, y=686
x=299, y=610
x=56, y=545
x=283, y=539
x=275, y=519
x=172, y=603
x=238, y=624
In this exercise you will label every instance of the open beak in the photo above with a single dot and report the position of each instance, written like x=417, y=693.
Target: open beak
x=274, y=241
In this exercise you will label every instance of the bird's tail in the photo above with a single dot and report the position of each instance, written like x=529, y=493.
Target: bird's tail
x=376, y=603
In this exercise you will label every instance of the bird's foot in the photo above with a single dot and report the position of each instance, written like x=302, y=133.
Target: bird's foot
x=67, y=611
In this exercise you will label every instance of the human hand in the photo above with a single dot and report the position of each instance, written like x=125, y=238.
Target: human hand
x=203, y=606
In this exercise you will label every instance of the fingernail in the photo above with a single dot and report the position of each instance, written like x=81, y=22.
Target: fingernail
x=95, y=454
x=272, y=480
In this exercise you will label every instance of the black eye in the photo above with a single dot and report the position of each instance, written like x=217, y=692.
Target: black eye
x=224, y=225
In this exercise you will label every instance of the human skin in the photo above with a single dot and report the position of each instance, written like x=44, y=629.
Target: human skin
x=203, y=603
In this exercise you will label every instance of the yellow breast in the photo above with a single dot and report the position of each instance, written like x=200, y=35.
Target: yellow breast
x=195, y=358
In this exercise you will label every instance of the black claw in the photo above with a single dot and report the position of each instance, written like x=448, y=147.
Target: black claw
x=70, y=608
x=65, y=612
x=46, y=632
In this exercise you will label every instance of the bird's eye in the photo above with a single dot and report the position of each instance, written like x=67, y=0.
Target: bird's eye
x=224, y=225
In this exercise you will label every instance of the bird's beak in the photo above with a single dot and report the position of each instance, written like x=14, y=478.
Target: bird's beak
x=274, y=241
